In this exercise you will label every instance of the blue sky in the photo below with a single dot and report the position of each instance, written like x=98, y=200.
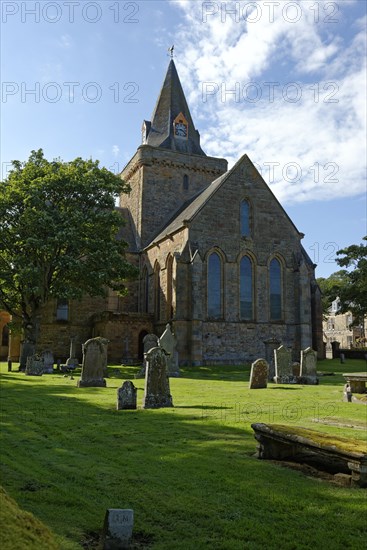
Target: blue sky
x=281, y=81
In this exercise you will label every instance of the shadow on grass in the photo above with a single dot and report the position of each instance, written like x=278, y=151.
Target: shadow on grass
x=192, y=473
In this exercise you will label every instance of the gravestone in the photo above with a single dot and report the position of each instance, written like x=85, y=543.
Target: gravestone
x=94, y=363
x=168, y=342
x=259, y=374
x=72, y=361
x=283, y=366
x=28, y=350
x=342, y=358
x=34, y=366
x=149, y=341
x=48, y=361
x=157, y=391
x=126, y=396
x=328, y=350
x=296, y=369
x=270, y=345
x=117, y=529
x=308, y=366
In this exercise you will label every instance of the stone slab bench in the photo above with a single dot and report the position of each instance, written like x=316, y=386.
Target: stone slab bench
x=357, y=381
x=322, y=451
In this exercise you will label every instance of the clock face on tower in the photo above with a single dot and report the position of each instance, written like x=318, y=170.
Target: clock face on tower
x=180, y=127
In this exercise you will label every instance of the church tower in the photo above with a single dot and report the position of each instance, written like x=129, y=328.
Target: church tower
x=169, y=167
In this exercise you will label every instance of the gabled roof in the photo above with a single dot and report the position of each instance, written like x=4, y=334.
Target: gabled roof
x=171, y=102
x=192, y=207
x=189, y=209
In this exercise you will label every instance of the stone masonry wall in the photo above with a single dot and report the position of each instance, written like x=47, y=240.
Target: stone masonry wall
x=157, y=191
x=125, y=333
x=231, y=340
x=55, y=335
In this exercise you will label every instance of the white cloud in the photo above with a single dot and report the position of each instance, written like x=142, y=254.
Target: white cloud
x=115, y=150
x=323, y=132
x=65, y=41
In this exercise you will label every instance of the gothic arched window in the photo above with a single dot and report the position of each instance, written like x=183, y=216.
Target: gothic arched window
x=275, y=288
x=157, y=292
x=246, y=289
x=245, y=219
x=215, y=308
x=169, y=273
x=62, y=310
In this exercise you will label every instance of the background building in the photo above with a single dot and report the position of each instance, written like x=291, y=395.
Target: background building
x=337, y=327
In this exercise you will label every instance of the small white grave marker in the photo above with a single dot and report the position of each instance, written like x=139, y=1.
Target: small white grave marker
x=118, y=528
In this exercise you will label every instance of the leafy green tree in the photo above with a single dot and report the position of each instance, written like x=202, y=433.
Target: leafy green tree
x=330, y=288
x=353, y=292
x=349, y=285
x=58, y=228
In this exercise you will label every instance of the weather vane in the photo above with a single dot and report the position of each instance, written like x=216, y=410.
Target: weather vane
x=170, y=51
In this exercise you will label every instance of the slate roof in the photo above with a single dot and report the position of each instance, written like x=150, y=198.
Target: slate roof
x=189, y=209
x=171, y=102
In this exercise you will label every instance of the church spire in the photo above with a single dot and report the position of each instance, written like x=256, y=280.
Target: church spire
x=172, y=126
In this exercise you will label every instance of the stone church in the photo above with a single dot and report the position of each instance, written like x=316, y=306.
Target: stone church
x=218, y=256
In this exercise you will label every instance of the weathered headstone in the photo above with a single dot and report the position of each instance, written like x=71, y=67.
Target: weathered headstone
x=28, y=350
x=34, y=365
x=117, y=529
x=296, y=369
x=259, y=374
x=48, y=362
x=126, y=396
x=342, y=358
x=72, y=361
x=168, y=342
x=270, y=345
x=94, y=363
x=328, y=351
x=157, y=391
x=149, y=341
x=308, y=366
x=283, y=366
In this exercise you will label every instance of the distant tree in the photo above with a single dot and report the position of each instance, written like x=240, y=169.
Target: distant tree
x=330, y=288
x=353, y=291
x=58, y=230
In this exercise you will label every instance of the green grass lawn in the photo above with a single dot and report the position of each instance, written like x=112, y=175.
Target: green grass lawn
x=189, y=472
